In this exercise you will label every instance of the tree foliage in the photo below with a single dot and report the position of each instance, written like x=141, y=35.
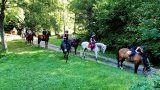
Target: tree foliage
x=38, y=13
x=123, y=23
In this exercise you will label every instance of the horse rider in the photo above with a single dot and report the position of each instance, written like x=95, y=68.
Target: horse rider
x=28, y=32
x=73, y=37
x=65, y=37
x=92, y=40
x=139, y=50
x=44, y=32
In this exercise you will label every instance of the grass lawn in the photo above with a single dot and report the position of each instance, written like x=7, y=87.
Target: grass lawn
x=28, y=67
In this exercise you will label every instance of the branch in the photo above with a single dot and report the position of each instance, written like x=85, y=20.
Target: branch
x=5, y=1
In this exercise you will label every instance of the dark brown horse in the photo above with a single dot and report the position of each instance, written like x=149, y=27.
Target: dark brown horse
x=44, y=38
x=124, y=54
x=66, y=48
x=29, y=37
x=75, y=44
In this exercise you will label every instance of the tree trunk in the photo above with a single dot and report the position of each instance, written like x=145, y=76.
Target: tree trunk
x=3, y=39
x=55, y=32
x=75, y=23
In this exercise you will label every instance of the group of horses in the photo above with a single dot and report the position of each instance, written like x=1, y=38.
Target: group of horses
x=123, y=53
x=29, y=35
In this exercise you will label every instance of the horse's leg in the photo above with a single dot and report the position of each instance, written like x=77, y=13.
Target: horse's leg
x=96, y=53
x=67, y=53
x=75, y=48
x=135, y=67
x=39, y=42
x=136, y=64
x=118, y=59
x=122, y=62
x=30, y=42
x=83, y=53
x=46, y=44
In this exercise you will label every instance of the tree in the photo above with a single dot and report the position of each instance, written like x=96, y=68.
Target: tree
x=83, y=10
x=2, y=15
x=38, y=13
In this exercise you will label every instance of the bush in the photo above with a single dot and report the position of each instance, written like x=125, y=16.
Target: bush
x=152, y=83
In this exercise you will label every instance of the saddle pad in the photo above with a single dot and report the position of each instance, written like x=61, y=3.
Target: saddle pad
x=89, y=46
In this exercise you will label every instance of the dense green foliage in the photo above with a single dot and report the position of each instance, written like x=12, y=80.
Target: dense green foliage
x=123, y=23
x=35, y=14
x=28, y=67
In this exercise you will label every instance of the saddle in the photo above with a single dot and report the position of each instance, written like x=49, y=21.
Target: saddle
x=92, y=46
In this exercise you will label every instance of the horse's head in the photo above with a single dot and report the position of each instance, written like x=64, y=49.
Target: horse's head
x=34, y=34
x=78, y=40
x=48, y=33
x=104, y=48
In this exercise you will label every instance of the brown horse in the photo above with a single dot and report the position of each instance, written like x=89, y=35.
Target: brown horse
x=29, y=37
x=75, y=44
x=44, y=38
x=124, y=54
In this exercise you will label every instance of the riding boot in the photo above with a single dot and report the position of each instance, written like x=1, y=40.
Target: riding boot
x=132, y=54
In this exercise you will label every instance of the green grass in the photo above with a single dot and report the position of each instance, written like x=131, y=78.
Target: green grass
x=30, y=68
x=55, y=41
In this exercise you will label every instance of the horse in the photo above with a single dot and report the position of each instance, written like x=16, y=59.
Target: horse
x=124, y=53
x=66, y=48
x=85, y=46
x=75, y=44
x=102, y=47
x=29, y=36
x=44, y=38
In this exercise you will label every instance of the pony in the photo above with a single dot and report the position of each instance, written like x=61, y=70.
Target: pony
x=102, y=47
x=66, y=48
x=124, y=53
x=75, y=44
x=44, y=38
x=85, y=46
x=29, y=36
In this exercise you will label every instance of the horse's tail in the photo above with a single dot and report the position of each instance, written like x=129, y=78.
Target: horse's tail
x=118, y=57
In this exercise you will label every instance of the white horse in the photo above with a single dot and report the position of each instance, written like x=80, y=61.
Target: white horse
x=102, y=47
x=85, y=46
